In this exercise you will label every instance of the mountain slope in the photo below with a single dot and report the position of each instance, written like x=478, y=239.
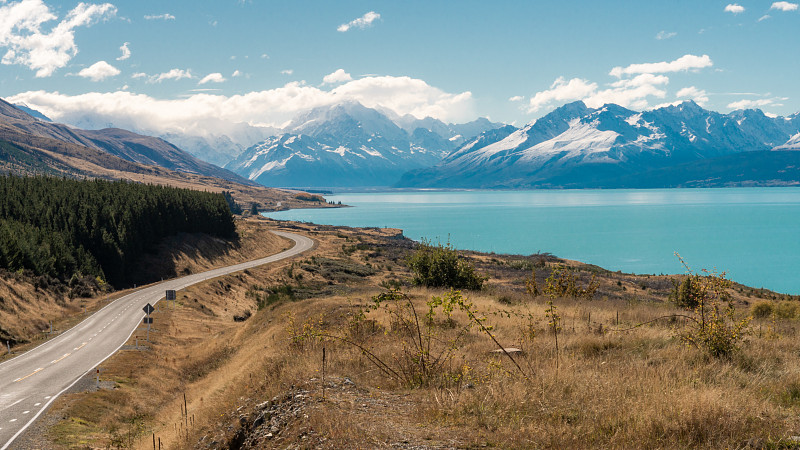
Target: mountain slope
x=124, y=144
x=346, y=144
x=577, y=146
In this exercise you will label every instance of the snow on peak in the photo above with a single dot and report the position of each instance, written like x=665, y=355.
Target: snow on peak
x=581, y=139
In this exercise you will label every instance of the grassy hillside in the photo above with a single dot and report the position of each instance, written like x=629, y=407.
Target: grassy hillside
x=246, y=350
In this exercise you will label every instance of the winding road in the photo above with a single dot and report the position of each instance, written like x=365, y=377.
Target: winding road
x=30, y=382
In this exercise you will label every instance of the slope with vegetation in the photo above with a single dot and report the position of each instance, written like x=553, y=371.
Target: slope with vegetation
x=343, y=349
x=65, y=228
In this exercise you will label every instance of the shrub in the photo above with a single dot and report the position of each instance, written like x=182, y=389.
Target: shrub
x=687, y=293
x=762, y=310
x=714, y=325
x=562, y=282
x=440, y=266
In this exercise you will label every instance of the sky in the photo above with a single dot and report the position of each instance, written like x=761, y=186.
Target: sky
x=190, y=66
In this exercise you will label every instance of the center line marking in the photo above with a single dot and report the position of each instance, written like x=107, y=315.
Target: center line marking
x=13, y=420
x=25, y=412
x=59, y=359
x=29, y=375
x=79, y=347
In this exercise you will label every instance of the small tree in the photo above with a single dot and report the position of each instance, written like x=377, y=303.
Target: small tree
x=440, y=266
x=715, y=327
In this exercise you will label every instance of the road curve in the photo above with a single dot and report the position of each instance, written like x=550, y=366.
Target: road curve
x=29, y=383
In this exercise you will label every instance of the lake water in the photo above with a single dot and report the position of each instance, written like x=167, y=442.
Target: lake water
x=751, y=233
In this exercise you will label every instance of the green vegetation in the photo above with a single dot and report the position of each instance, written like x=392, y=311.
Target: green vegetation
x=61, y=227
x=440, y=266
x=713, y=322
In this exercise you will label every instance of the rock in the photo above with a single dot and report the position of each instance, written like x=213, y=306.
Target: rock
x=508, y=350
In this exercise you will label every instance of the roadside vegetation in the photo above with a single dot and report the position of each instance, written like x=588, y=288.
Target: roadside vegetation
x=64, y=229
x=346, y=347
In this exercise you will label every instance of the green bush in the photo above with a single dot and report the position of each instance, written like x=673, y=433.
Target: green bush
x=762, y=310
x=440, y=266
x=687, y=293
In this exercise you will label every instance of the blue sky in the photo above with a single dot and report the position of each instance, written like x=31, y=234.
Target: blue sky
x=190, y=63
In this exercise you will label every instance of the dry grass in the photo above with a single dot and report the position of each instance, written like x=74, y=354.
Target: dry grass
x=639, y=388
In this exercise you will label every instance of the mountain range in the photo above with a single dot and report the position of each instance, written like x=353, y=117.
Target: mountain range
x=34, y=145
x=577, y=147
x=574, y=146
x=350, y=145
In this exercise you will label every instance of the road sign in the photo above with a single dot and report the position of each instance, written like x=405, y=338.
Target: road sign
x=148, y=309
x=147, y=320
x=170, y=295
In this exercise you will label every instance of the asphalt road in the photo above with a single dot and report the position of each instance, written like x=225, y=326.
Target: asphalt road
x=30, y=382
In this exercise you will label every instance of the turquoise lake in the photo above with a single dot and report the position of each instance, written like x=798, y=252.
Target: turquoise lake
x=753, y=234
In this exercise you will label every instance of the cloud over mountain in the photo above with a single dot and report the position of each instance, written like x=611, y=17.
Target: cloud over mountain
x=273, y=107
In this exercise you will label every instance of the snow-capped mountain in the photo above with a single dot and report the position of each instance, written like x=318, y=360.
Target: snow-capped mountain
x=577, y=146
x=347, y=144
x=791, y=144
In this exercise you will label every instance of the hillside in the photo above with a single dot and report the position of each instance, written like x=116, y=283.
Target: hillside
x=124, y=144
x=618, y=377
x=29, y=154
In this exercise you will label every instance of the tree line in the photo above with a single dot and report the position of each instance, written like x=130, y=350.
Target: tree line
x=61, y=227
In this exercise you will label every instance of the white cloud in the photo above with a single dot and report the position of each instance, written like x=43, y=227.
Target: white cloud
x=264, y=56
x=287, y=72
x=204, y=113
x=562, y=91
x=126, y=52
x=236, y=73
x=159, y=17
x=684, y=63
x=734, y=8
x=699, y=96
x=212, y=78
x=339, y=76
x=516, y=98
x=174, y=74
x=752, y=104
x=99, y=71
x=662, y=35
x=630, y=93
x=784, y=6
x=636, y=85
x=764, y=17
x=362, y=22
x=28, y=44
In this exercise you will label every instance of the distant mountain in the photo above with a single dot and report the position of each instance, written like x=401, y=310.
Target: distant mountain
x=32, y=112
x=577, y=146
x=791, y=144
x=121, y=143
x=348, y=144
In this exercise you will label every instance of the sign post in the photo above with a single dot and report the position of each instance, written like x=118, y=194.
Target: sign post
x=148, y=309
x=170, y=295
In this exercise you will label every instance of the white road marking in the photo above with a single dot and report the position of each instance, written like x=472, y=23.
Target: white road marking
x=79, y=347
x=9, y=406
x=36, y=404
x=25, y=412
x=13, y=420
x=47, y=397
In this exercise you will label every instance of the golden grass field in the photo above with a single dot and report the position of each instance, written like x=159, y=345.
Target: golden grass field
x=257, y=383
